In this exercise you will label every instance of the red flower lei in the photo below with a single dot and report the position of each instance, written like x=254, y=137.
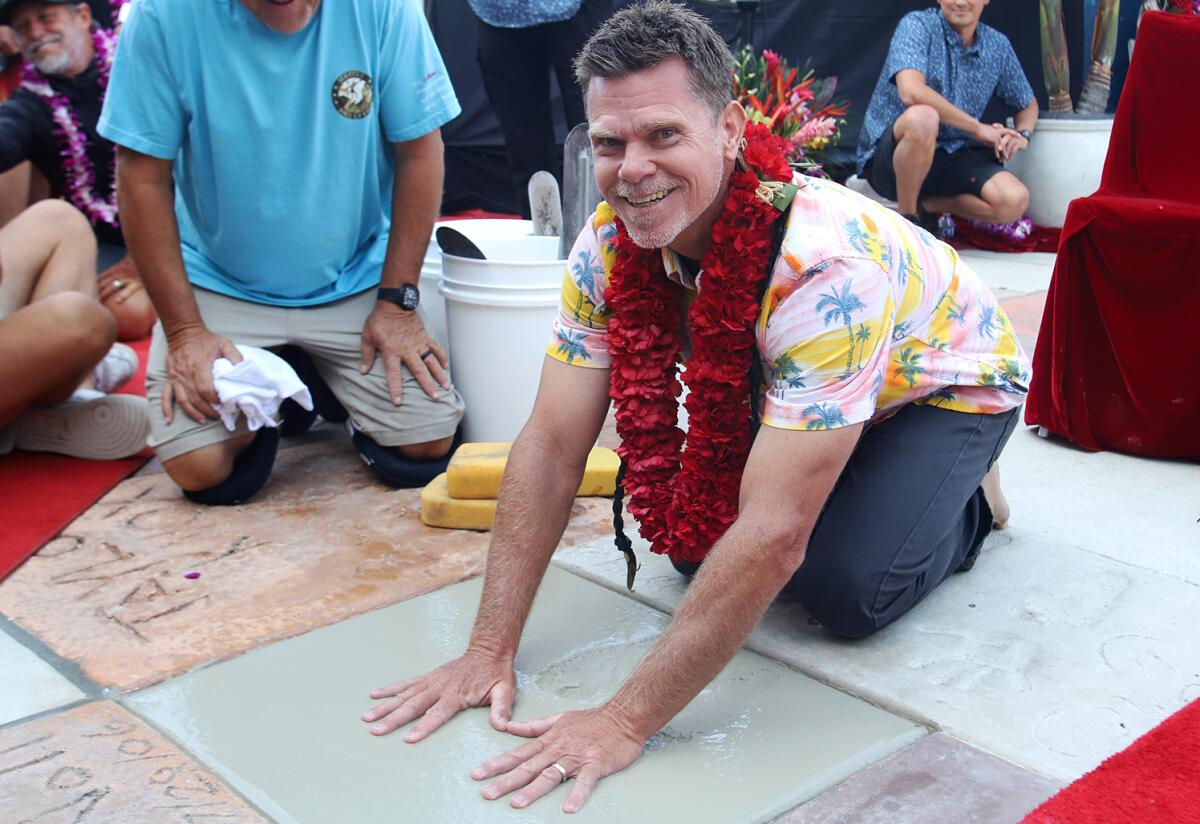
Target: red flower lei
x=685, y=499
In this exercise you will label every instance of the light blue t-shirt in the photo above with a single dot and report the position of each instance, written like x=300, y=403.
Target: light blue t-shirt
x=283, y=163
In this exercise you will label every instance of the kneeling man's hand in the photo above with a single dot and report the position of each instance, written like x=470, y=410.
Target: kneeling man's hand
x=190, y=356
x=474, y=680
x=401, y=338
x=588, y=746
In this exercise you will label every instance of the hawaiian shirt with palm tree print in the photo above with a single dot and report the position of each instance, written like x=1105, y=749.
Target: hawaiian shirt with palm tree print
x=864, y=313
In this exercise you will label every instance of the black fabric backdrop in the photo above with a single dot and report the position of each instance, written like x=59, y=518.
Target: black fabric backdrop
x=847, y=38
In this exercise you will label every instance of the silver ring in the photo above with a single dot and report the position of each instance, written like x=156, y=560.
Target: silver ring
x=117, y=284
x=425, y=354
x=562, y=771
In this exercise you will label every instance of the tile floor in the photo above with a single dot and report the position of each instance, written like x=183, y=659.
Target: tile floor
x=141, y=695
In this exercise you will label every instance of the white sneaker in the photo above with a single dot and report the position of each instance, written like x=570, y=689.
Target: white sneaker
x=87, y=425
x=115, y=370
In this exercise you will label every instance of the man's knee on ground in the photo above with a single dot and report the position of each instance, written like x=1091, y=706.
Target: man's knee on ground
x=206, y=467
x=840, y=598
x=920, y=124
x=427, y=451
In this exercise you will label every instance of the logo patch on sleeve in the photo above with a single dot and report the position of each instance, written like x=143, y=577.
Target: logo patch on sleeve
x=352, y=95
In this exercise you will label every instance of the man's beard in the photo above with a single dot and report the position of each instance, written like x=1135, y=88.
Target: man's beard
x=664, y=233
x=59, y=61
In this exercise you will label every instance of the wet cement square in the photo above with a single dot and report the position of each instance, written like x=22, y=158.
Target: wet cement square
x=322, y=542
x=28, y=684
x=281, y=724
x=97, y=763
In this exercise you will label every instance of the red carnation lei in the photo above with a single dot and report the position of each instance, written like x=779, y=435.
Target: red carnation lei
x=685, y=499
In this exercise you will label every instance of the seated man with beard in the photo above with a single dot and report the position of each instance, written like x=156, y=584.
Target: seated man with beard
x=882, y=374
x=51, y=121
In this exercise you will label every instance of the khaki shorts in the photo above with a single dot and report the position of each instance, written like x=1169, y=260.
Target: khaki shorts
x=332, y=336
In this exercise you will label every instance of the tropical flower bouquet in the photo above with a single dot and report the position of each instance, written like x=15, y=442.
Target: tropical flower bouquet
x=796, y=107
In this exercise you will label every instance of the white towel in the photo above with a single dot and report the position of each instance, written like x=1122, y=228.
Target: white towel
x=256, y=387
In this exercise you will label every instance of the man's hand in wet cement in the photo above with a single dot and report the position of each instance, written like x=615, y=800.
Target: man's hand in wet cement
x=474, y=680
x=586, y=747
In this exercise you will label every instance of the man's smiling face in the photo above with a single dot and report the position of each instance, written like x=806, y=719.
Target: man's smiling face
x=55, y=37
x=662, y=161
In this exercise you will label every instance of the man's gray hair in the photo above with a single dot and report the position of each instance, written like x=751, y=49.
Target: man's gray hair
x=647, y=33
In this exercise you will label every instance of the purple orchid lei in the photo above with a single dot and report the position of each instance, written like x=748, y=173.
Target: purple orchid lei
x=73, y=142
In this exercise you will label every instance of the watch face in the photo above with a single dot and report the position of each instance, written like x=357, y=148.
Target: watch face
x=409, y=297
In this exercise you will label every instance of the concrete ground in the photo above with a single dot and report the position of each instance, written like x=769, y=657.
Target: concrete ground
x=131, y=693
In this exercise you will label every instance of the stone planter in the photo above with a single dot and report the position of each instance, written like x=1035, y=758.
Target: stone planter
x=1063, y=162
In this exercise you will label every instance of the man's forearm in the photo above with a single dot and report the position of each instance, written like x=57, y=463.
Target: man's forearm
x=147, y=204
x=741, y=576
x=949, y=114
x=535, y=503
x=1026, y=119
x=416, y=199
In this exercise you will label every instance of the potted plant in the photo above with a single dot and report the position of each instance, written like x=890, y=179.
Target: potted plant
x=1066, y=155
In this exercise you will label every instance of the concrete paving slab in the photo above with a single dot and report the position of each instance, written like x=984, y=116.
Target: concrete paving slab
x=1050, y=656
x=322, y=542
x=936, y=779
x=1022, y=272
x=281, y=724
x=28, y=684
x=1142, y=512
x=97, y=763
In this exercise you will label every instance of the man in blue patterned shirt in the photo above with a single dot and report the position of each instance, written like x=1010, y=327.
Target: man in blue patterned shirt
x=922, y=142
x=520, y=43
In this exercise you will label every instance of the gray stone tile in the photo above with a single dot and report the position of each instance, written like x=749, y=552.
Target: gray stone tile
x=1024, y=272
x=1142, y=512
x=281, y=724
x=937, y=780
x=1047, y=655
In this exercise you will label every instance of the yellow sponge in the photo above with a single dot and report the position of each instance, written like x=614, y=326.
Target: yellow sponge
x=439, y=509
x=475, y=470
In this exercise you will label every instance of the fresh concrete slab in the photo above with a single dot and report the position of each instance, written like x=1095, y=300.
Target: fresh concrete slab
x=97, y=763
x=1022, y=272
x=1048, y=655
x=323, y=541
x=28, y=684
x=281, y=724
x=936, y=779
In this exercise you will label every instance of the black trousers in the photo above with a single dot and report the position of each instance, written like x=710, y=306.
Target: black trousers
x=516, y=66
x=906, y=512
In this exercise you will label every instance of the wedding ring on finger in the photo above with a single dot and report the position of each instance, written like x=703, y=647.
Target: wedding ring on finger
x=117, y=284
x=562, y=771
x=425, y=354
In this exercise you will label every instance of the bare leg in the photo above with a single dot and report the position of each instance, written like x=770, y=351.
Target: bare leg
x=916, y=140
x=995, y=497
x=48, y=348
x=428, y=451
x=207, y=466
x=47, y=249
x=1004, y=200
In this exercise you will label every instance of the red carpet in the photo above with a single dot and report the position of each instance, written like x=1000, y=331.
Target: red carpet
x=41, y=493
x=1156, y=779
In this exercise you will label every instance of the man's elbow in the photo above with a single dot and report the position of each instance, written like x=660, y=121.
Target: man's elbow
x=786, y=544
x=909, y=95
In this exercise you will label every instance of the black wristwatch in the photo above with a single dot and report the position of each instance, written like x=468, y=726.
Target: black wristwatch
x=407, y=297
x=1026, y=133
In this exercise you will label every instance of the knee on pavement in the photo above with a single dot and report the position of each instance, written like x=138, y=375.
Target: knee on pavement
x=206, y=467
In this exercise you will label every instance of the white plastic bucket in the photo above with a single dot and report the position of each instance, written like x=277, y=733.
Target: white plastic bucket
x=499, y=313
x=433, y=307
x=1063, y=162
